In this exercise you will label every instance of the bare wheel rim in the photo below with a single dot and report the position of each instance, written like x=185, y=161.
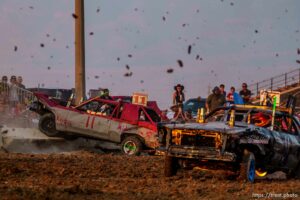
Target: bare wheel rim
x=49, y=125
x=129, y=148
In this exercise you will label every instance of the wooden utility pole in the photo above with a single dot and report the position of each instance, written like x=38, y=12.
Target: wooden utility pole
x=79, y=52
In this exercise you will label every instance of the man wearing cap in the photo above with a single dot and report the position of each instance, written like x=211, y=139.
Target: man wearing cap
x=245, y=93
x=214, y=100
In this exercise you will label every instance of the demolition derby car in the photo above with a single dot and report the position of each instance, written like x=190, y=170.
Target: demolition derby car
x=249, y=140
x=133, y=126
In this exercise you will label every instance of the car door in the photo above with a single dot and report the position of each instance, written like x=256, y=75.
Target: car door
x=86, y=121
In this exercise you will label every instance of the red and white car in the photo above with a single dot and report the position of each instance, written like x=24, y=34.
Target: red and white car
x=133, y=126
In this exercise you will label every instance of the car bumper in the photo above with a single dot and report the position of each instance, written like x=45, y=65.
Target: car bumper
x=205, y=153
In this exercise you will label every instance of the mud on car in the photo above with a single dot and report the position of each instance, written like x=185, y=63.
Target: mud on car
x=245, y=139
x=133, y=126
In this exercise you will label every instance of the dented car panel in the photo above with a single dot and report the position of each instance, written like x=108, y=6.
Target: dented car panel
x=103, y=119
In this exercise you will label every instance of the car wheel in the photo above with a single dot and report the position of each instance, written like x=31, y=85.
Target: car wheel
x=47, y=125
x=170, y=166
x=131, y=146
x=247, y=167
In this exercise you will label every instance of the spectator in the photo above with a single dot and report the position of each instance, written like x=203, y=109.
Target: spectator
x=245, y=93
x=233, y=97
x=214, y=100
x=20, y=82
x=4, y=89
x=178, y=99
x=21, y=92
x=222, y=90
x=13, y=95
x=230, y=95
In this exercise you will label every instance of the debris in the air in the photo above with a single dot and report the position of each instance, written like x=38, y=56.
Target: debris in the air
x=96, y=76
x=298, y=51
x=170, y=70
x=91, y=33
x=128, y=74
x=74, y=16
x=298, y=61
x=16, y=48
x=276, y=54
x=127, y=67
x=183, y=25
x=231, y=3
x=189, y=49
x=51, y=56
x=31, y=7
x=54, y=40
x=197, y=57
x=180, y=63
x=256, y=31
x=67, y=46
x=201, y=59
x=118, y=59
x=142, y=81
x=129, y=55
x=136, y=9
x=164, y=18
x=48, y=67
x=98, y=10
x=42, y=45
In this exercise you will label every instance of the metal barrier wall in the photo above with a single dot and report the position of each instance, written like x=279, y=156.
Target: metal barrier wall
x=276, y=82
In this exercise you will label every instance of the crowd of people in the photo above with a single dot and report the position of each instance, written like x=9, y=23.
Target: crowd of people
x=217, y=98
x=13, y=95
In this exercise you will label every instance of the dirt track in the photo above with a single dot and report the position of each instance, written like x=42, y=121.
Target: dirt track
x=84, y=175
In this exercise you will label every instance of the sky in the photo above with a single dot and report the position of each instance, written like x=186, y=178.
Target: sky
x=231, y=42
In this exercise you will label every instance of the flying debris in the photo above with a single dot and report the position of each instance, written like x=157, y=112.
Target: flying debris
x=91, y=33
x=96, y=77
x=298, y=51
x=54, y=40
x=197, y=57
x=47, y=35
x=67, y=46
x=142, y=81
x=136, y=9
x=256, y=31
x=98, y=10
x=164, y=18
x=31, y=7
x=42, y=45
x=118, y=59
x=128, y=74
x=74, y=16
x=298, y=61
x=16, y=48
x=129, y=55
x=189, y=49
x=231, y=3
x=276, y=54
x=180, y=63
x=48, y=67
x=127, y=67
x=170, y=70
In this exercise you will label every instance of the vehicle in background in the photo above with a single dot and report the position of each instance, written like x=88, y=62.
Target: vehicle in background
x=133, y=126
x=246, y=139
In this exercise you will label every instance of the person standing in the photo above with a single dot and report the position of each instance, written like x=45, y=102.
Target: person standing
x=214, y=100
x=13, y=95
x=222, y=90
x=245, y=93
x=178, y=99
x=233, y=97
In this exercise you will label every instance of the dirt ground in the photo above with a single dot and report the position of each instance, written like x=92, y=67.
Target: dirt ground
x=85, y=175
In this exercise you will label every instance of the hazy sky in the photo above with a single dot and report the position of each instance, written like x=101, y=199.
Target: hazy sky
x=236, y=41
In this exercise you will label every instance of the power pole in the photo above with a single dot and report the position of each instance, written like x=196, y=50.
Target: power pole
x=79, y=52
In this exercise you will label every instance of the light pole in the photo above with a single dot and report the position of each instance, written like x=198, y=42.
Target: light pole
x=79, y=51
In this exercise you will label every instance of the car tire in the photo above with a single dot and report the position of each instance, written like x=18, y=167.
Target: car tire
x=47, y=125
x=170, y=166
x=247, y=167
x=131, y=146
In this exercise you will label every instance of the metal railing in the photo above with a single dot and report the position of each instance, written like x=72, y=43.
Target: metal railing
x=277, y=82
